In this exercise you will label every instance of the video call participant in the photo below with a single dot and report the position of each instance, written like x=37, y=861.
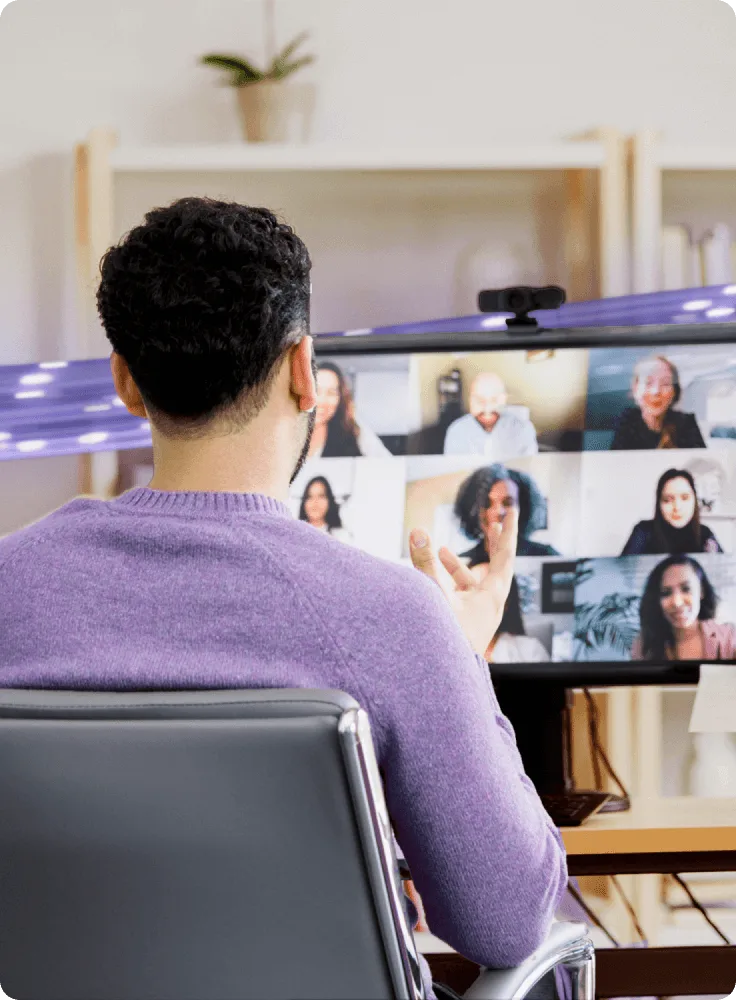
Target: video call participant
x=484, y=500
x=336, y=433
x=677, y=611
x=653, y=423
x=676, y=525
x=511, y=644
x=204, y=579
x=490, y=429
x=320, y=509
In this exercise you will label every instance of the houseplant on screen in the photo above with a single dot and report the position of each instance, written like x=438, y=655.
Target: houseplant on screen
x=271, y=110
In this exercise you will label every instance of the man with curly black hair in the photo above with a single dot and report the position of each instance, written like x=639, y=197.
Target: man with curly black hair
x=199, y=304
x=204, y=579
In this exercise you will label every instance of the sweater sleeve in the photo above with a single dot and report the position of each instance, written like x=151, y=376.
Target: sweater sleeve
x=485, y=857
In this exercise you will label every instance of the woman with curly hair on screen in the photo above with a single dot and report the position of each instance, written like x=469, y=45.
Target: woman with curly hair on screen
x=677, y=612
x=485, y=498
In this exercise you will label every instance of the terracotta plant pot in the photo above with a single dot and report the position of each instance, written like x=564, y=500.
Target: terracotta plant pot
x=275, y=111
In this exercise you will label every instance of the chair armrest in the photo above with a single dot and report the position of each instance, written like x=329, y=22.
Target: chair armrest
x=566, y=943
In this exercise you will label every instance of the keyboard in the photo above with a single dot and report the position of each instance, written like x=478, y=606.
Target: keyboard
x=573, y=808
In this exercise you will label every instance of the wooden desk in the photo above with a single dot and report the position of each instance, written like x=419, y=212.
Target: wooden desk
x=656, y=836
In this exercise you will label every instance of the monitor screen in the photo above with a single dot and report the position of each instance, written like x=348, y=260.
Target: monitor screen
x=620, y=455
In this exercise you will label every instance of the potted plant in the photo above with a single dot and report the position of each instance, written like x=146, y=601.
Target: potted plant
x=268, y=107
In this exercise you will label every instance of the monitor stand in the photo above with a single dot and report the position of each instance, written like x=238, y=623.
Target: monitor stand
x=539, y=713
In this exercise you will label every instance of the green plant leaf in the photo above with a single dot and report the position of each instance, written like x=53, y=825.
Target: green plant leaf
x=288, y=51
x=292, y=67
x=613, y=622
x=281, y=66
x=242, y=71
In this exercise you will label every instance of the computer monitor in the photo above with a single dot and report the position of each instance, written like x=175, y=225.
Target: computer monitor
x=618, y=446
x=442, y=427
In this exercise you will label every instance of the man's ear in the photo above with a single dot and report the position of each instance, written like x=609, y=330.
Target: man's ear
x=125, y=387
x=303, y=385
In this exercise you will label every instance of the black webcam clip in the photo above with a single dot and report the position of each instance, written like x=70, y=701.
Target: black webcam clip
x=521, y=301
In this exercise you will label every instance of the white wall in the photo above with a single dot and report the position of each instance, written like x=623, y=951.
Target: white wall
x=399, y=71
x=402, y=71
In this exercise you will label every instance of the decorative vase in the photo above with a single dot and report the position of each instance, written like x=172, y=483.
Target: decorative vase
x=272, y=111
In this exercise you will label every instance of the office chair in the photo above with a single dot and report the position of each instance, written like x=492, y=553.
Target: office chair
x=218, y=845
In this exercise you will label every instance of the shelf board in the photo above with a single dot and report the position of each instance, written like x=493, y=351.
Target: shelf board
x=235, y=157
x=682, y=158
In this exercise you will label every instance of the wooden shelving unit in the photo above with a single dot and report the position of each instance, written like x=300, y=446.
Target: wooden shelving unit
x=593, y=169
x=651, y=160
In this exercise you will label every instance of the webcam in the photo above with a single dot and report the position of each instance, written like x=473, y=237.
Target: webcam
x=521, y=301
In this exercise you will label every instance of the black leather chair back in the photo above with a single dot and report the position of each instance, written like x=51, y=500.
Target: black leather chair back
x=217, y=845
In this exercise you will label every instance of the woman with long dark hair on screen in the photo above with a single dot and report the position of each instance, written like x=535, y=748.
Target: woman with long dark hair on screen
x=653, y=422
x=677, y=613
x=336, y=431
x=511, y=644
x=484, y=500
x=320, y=509
x=676, y=525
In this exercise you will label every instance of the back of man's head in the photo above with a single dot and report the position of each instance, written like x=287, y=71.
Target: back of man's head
x=201, y=300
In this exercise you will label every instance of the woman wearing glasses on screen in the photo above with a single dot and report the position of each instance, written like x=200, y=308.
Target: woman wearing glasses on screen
x=511, y=644
x=336, y=432
x=484, y=500
x=653, y=423
x=677, y=612
x=320, y=509
x=676, y=525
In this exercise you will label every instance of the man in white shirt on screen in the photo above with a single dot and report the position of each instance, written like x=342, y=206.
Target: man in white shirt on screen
x=490, y=429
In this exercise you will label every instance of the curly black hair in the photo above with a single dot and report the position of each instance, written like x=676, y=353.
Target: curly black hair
x=201, y=300
x=472, y=498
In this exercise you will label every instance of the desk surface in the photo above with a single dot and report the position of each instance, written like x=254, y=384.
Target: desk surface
x=656, y=826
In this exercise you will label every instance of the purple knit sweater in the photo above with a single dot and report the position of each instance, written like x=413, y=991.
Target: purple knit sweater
x=225, y=590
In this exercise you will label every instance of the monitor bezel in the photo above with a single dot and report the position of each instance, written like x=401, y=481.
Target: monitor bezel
x=571, y=673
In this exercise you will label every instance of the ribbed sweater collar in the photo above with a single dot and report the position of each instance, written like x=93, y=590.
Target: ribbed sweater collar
x=195, y=503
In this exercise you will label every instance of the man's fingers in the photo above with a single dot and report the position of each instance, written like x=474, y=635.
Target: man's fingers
x=422, y=555
x=503, y=554
x=461, y=575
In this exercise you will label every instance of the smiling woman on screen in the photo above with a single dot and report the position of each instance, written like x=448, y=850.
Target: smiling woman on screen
x=677, y=612
x=653, y=423
x=336, y=432
x=320, y=509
